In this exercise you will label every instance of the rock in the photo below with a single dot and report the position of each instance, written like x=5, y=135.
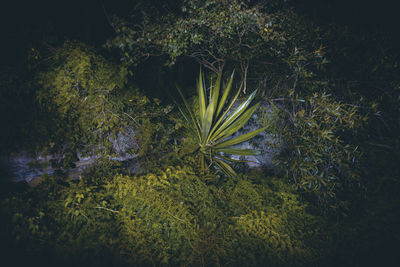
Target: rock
x=264, y=142
x=23, y=167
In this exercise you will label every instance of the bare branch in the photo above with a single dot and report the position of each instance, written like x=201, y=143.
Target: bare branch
x=107, y=209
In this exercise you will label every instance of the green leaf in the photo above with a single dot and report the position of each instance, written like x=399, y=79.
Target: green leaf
x=212, y=126
x=225, y=94
x=237, y=125
x=192, y=119
x=233, y=160
x=234, y=115
x=207, y=120
x=222, y=117
x=240, y=139
x=225, y=167
x=201, y=94
x=239, y=151
x=216, y=90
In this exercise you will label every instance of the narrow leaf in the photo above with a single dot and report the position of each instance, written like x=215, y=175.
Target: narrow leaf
x=201, y=94
x=215, y=95
x=191, y=115
x=236, y=125
x=240, y=139
x=207, y=121
x=225, y=168
x=222, y=117
x=233, y=160
x=234, y=115
x=225, y=94
x=239, y=151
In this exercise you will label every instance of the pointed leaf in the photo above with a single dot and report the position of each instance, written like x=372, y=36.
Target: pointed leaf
x=225, y=167
x=234, y=115
x=233, y=160
x=239, y=139
x=216, y=90
x=236, y=125
x=225, y=94
x=239, y=151
x=201, y=95
x=222, y=117
x=207, y=121
x=190, y=114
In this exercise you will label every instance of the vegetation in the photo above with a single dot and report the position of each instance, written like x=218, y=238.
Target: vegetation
x=216, y=123
x=324, y=97
x=81, y=95
x=170, y=217
x=256, y=37
x=319, y=151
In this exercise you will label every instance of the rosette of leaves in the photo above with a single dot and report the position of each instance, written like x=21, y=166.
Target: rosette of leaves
x=216, y=123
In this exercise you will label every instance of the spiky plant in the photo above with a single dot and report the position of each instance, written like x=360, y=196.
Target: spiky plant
x=216, y=123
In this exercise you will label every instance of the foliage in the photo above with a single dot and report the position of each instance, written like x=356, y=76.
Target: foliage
x=316, y=133
x=171, y=217
x=81, y=101
x=256, y=37
x=78, y=94
x=86, y=104
x=216, y=123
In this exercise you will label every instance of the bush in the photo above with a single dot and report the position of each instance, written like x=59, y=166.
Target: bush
x=80, y=98
x=86, y=104
x=317, y=134
x=171, y=217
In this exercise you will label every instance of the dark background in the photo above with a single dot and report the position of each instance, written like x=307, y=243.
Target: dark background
x=25, y=22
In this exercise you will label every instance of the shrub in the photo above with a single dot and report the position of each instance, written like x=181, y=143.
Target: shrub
x=317, y=135
x=169, y=217
x=86, y=103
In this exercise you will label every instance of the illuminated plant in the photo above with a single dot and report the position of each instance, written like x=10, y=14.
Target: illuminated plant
x=217, y=121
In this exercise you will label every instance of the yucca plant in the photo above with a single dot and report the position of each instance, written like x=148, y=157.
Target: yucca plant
x=217, y=121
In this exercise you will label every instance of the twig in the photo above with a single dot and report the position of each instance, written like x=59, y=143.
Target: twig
x=103, y=208
x=107, y=17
